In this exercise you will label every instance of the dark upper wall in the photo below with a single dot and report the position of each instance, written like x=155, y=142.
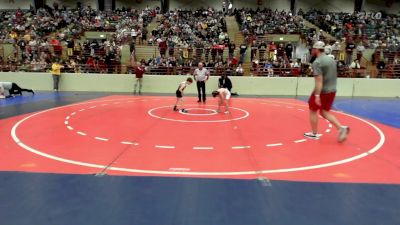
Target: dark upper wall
x=330, y=5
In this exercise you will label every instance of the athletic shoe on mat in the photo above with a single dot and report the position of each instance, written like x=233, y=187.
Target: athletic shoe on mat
x=312, y=135
x=343, y=133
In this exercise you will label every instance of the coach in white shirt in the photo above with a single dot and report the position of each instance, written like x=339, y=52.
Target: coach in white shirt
x=201, y=76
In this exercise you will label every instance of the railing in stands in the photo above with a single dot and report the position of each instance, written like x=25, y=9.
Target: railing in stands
x=392, y=72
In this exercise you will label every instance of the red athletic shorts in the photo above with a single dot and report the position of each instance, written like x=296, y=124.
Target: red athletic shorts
x=326, y=101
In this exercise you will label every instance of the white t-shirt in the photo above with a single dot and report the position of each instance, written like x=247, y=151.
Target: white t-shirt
x=225, y=92
x=355, y=65
x=328, y=49
x=336, y=47
x=134, y=33
x=6, y=85
x=360, y=48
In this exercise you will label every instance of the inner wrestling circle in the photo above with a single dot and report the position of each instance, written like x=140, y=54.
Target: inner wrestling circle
x=164, y=113
x=197, y=112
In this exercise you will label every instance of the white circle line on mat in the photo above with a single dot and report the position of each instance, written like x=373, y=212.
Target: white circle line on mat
x=193, y=173
x=150, y=112
x=274, y=145
x=129, y=143
x=81, y=133
x=203, y=148
x=164, y=146
x=241, y=147
x=101, y=139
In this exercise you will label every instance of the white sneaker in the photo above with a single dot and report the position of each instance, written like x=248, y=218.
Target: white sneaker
x=312, y=135
x=343, y=133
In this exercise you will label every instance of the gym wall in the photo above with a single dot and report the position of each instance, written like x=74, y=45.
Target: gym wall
x=15, y=4
x=285, y=86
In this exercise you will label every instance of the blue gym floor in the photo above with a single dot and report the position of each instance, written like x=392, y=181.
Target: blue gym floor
x=54, y=199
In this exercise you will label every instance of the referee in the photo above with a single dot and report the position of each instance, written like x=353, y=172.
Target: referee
x=201, y=75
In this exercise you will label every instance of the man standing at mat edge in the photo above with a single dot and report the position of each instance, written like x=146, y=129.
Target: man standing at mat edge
x=201, y=76
x=56, y=72
x=323, y=96
x=139, y=71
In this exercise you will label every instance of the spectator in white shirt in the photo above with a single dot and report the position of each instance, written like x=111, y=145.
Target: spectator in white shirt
x=335, y=49
x=295, y=64
x=239, y=70
x=134, y=34
x=355, y=64
x=360, y=50
x=328, y=49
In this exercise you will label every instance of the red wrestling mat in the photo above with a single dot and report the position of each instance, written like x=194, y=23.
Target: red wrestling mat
x=126, y=135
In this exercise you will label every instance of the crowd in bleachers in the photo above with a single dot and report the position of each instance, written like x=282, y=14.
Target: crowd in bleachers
x=360, y=31
x=185, y=38
x=17, y=25
x=267, y=21
x=361, y=26
x=131, y=26
x=183, y=28
x=40, y=37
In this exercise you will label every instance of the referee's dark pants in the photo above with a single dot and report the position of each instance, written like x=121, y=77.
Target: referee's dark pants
x=201, y=90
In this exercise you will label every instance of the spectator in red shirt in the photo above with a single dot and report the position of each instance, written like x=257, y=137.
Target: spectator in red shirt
x=163, y=47
x=139, y=72
x=102, y=65
x=19, y=14
x=220, y=49
x=90, y=65
x=234, y=61
x=272, y=48
x=56, y=47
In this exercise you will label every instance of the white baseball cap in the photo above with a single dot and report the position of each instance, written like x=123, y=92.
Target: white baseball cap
x=319, y=45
